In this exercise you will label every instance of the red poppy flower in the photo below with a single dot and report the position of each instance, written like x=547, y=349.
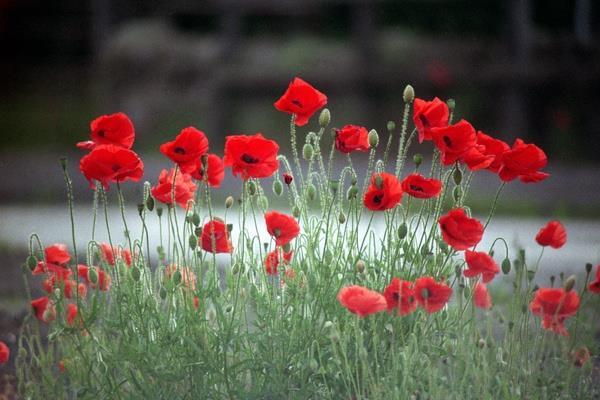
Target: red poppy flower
x=428, y=115
x=103, y=279
x=554, y=306
x=251, y=156
x=480, y=263
x=110, y=254
x=67, y=284
x=493, y=147
x=216, y=231
x=301, y=99
x=476, y=159
x=595, y=285
x=416, y=185
x=43, y=309
x=4, y=353
x=53, y=270
x=71, y=314
x=361, y=301
x=553, y=234
x=431, y=295
x=57, y=254
x=384, y=192
x=185, y=188
x=115, y=129
x=215, y=167
x=460, y=231
x=272, y=260
x=283, y=228
x=352, y=138
x=481, y=296
x=196, y=302
x=523, y=161
x=109, y=163
x=186, y=149
x=287, y=178
x=454, y=141
x=400, y=295
x=580, y=356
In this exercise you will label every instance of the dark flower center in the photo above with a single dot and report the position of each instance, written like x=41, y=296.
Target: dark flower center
x=447, y=141
x=297, y=103
x=179, y=150
x=416, y=188
x=101, y=133
x=377, y=198
x=424, y=121
x=396, y=296
x=248, y=159
x=116, y=167
x=425, y=293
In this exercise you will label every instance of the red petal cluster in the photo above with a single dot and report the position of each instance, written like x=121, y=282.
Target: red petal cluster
x=184, y=188
x=554, y=306
x=361, y=301
x=186, y=149
x=418, y=186
x=384, y=192
x=480, y=263
x=251, y=156
x=215, y=237
x=301, y=99
x=352, y=138
x=283, y=228
x=460, y=231
x=553, y=234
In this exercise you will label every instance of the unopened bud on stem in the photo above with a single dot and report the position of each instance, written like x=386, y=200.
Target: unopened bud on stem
x=409, y=94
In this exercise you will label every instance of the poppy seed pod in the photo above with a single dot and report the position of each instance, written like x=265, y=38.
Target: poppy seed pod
x=277, y=187
x=418, y=159
x=324, y=118
x=308, y=152
x=409, y=94
x=135, y=273
x=92, y=275
x=457, y=176
x=196, y=219
x=373, y=138
x=229, y=202
x=32, y=262
x=402, y=231
x=570, y=283
x=193, y=241
x=150, y=203
x=342, y=217
x=391, y=126
x=506, y=266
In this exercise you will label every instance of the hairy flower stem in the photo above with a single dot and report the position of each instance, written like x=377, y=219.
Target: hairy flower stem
x=295, y=150
x=401, y=144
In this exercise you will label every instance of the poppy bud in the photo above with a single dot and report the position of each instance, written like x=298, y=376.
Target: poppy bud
x=425, y=250
x=352, y=192
x=334, y=185
x=311, y=192
x=193, y=241
x=373, y=138
x=327, y=324
x=162, y=293
x=263, y=202
x=196, y=219
x=418, y=159
x=159, y=211
x=402, y=231
x=277, y=187
x=287, y=178
x=451, y=104
x=251, y=188
x=481, y=343
x=324, y=118
x=296, y=212
x=229, y=202
x=313, y=365
x=506, y=266
x=176, y=277
x=409, y=94
x=570, y=283
x=229, y=228
x=135, y=273
x=92, y=275
x=360, y=266
x=457, y=176
x=341, y=217
x=150, y=203
x=308, y=151
x=588, y=267
x=32, y=262
x=530, y=275
x=457, y=193
x=391, y=126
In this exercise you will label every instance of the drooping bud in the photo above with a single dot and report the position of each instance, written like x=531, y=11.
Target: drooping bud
x=402, y=231
x=287, y=178
x=311, y=192
x=353, y=180
x=193, y=241
x=373, y=138
x=334, y=185
x=341, y=217
x=296, y=212
x=352, y=192
x=196, y=219
x=251, y=188
x=409, y=94
x=92, y=275
x=570, y=283
x=229, y=202
x=277, y=187
x=135, y=273
x=457, y=176
x=391, y=126
x=418, y=159
x=506, y=266
x=324, y=118
x=32, y=262
x=150, y=203
x=308, y=151
x=162, y=293
x=360, y=266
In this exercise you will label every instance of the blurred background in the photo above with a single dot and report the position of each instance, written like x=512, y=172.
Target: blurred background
x=517, y=68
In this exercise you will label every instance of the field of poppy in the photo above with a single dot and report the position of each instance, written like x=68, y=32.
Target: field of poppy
x=312, y=301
